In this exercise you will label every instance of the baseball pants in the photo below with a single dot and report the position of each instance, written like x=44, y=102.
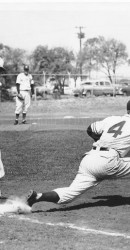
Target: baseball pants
x=95, y=167
x=2, y=172
x=23, y=105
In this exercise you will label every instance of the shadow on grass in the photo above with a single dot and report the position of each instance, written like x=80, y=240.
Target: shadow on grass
x=108, y=201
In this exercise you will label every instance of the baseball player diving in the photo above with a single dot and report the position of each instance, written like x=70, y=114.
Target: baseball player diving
x=106, y=160
x=25, y=86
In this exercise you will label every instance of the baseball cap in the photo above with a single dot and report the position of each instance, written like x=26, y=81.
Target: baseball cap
x=128, y=106
x=26, y=67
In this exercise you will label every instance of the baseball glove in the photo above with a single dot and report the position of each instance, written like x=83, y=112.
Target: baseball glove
x=20, y=97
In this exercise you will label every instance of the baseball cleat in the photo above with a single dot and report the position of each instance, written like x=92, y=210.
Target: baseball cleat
x=24, y=122
x=16, y=122
x=31, y=198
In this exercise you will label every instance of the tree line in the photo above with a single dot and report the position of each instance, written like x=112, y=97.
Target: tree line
x=98, y=54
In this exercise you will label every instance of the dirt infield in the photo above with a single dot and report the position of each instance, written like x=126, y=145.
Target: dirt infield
x=45, y=154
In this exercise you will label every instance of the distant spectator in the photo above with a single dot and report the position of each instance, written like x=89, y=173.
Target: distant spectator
x=56, y=91
x=2, y=71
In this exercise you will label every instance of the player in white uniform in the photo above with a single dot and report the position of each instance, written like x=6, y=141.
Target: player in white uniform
x=25, y=85
x=2, y=172
x=106, y=160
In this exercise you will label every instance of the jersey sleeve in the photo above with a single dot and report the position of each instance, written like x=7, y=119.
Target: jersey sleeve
x=96, y=129
x=18, y=79
x=92, y=134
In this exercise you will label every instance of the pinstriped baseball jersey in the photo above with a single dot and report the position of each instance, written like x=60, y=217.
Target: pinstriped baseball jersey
x=25, y=81
x=115, y=132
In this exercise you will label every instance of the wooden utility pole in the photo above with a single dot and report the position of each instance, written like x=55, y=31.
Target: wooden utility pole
x=81, y=35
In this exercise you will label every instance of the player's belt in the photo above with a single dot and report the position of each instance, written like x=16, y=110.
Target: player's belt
x=101, y=148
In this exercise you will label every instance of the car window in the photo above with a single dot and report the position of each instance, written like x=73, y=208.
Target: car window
x=107, y=83
x=102, y=83
x=86, y=83
x=125, y=84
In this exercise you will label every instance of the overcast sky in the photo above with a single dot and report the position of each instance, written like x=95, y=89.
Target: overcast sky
x=28, y=24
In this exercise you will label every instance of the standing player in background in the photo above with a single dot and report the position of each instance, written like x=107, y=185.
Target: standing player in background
x=2, y=172
x=2, y=71
x=105, y=161
x=25, y=87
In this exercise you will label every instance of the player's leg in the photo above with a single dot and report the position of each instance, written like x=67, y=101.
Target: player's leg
x=64, y=195
x=18, y=110
x=94, y=167
x=2, y=172
x=34, y=197
x=24, y=117
x=27, y=102
x=83, y=181
x=123, y=168
x=16, y=119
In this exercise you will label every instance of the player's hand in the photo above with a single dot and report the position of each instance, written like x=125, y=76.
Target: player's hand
x=20, y=97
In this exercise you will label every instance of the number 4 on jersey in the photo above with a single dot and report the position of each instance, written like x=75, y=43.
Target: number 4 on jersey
x=116, y=129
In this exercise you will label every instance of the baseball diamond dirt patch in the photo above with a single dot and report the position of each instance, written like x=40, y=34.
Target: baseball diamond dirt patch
x=45, y=154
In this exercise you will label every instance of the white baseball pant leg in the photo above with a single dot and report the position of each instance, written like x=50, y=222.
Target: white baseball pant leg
x=27, y=101
x=2, y=172
x=95, y=167
x=19, y=106
x=23, y=105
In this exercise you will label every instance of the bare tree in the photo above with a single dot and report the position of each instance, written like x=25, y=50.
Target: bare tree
x=107, y=55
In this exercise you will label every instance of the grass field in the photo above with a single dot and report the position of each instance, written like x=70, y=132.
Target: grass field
x=45, y=154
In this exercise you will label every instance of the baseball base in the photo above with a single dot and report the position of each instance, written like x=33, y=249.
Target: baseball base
x=14, y=205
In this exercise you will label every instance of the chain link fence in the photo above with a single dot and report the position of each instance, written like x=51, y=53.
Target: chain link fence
x=45, y=84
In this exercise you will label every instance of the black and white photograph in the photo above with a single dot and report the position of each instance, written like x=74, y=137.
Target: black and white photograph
x=64, y=125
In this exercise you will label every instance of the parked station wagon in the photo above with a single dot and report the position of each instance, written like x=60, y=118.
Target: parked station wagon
x=95, y=87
